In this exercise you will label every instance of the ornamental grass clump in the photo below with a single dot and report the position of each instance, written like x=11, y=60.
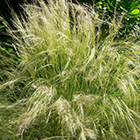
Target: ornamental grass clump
x=77, y=85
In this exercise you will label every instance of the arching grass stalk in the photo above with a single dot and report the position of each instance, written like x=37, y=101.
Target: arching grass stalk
x=78, y=85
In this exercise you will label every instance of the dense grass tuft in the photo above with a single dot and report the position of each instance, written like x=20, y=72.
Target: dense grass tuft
x=69, y=81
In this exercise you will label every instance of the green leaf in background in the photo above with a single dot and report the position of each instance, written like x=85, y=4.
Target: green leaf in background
x=125, y=4
x=100, y=5
x=97, y=15
x=10, y=50
x=112, y=2
x=134, y=12
x=123, y=9
x=1, y=26
x=11, y=59
x=134, y=5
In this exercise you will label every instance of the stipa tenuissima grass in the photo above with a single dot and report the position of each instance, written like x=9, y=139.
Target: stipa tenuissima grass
x=78, y=85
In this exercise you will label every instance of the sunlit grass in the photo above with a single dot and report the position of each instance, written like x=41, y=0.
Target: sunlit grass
x=74, y=83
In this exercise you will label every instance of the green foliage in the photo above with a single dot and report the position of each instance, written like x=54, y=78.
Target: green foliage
x=70, y=82
x=130, y=9
x=1, y=27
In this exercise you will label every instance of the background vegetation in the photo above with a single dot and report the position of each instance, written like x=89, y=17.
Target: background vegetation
x=71, y=71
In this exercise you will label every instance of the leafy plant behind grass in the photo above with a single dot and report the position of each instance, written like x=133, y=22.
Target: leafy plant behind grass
x=78, y=86
x=130, y=9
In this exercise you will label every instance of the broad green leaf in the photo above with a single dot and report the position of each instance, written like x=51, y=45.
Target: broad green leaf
x=134, y=5
x=134, y=12
x=135, y=16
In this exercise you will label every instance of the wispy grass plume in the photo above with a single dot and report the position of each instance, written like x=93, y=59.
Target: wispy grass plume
x=78, y=85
